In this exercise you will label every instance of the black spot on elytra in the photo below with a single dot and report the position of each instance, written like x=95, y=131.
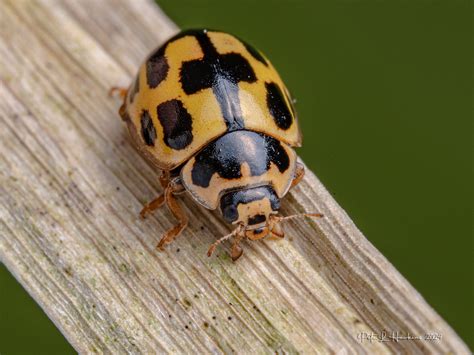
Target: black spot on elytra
x=148, y=129
x=156, y=68
x=177, y=124
x=230, y=201
x=255, y=53
x=225, y=156
x=221, y=73
x=277, y=106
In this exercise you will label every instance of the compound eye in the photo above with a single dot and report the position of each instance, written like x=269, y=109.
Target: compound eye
x=258, y=230
x=230, y=213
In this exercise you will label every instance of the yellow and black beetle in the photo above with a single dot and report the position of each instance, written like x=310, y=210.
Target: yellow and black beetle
x=212, y=113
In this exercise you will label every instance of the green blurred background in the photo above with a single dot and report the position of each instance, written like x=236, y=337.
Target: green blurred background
x=384, y=91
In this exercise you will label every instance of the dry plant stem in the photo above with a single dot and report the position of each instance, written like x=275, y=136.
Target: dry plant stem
x=72, y=187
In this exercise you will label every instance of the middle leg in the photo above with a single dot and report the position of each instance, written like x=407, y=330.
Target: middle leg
x=176, y=209
x=160, y=200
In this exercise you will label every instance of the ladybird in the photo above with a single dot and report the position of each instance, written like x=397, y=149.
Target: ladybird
x=212, y=113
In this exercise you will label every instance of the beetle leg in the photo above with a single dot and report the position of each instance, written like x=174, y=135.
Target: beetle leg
x=177, y=211
x=299, y=173
x=277, y=232
x=160, y=200
x=122, y=92
x=164, y=179
x=213, y=247
x=236, y=250
x=153, y=205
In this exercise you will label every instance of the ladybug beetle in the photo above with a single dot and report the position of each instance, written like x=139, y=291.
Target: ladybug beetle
x=212, y=113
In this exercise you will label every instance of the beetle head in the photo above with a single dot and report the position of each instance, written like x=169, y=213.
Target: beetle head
x=254, y=211
x=251, y=209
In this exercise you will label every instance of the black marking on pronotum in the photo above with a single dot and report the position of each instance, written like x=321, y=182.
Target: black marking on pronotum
x=226, y=155
x=231, y=200
x=177, y=124
x=222, y=73
x=255, y=53
x=147, y=128
x=277, y=106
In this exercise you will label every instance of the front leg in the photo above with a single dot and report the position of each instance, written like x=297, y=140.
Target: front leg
x=236, y=250
x=277, y=232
